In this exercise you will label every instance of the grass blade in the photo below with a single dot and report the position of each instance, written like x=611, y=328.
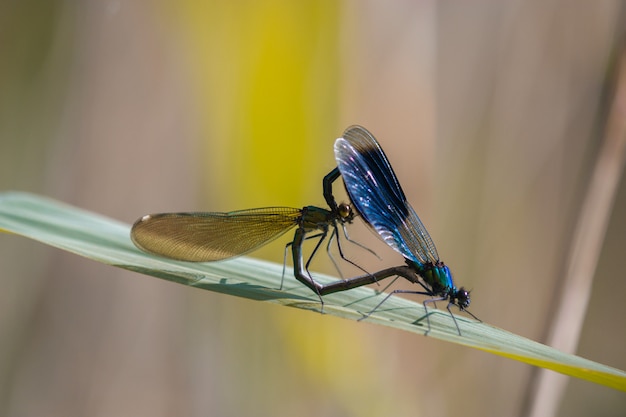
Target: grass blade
x=105, y=240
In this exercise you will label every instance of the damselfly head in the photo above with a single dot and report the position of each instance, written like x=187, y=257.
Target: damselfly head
x=346, y=214
x=462, y=297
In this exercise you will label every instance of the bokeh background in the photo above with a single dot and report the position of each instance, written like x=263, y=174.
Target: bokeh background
x=492, y=113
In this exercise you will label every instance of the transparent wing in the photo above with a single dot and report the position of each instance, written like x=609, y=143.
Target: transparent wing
x=204, y=237
x=377, y=195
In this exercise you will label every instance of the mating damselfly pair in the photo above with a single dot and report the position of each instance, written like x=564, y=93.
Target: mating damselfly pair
x=376, y=197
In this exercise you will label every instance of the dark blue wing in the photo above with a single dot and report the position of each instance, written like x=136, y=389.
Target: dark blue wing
x=377, y=195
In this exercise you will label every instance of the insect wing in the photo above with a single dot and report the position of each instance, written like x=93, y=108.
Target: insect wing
x=204, y=237
x=377, y=195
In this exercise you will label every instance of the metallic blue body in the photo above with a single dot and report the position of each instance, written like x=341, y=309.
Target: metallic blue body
x=376, y=194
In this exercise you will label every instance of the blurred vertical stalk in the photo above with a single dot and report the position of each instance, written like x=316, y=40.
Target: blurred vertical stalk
x=547, y=388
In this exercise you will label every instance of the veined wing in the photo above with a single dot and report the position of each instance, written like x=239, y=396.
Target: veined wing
x=204, y=237
x=377, y=195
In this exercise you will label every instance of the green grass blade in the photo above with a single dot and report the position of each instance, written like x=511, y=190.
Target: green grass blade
x=108, y=241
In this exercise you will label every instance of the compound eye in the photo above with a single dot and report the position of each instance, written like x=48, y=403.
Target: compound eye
x=344, y=210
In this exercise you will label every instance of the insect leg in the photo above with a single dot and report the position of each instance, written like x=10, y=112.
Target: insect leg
x=389, y=295
x=335, y=235
x=354, y=242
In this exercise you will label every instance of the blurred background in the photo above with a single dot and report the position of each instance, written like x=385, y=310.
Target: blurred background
x=492, y=113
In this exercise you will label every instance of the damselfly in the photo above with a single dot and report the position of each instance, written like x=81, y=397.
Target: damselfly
x=206, y=237
x=378, y=198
